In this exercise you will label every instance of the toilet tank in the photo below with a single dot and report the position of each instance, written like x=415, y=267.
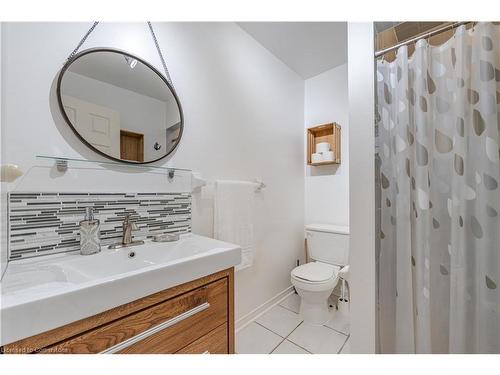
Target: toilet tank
x=328, y=243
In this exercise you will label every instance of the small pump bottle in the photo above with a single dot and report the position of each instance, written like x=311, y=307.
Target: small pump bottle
x=90, y=240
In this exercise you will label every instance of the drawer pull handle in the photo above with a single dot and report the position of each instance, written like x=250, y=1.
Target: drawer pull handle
x=168, y=323
x=206, y=352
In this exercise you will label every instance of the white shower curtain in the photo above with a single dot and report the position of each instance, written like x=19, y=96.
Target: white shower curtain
x=439, y=260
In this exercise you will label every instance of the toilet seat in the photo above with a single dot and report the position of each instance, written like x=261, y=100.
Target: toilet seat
x=315, y=276
x=316, y=272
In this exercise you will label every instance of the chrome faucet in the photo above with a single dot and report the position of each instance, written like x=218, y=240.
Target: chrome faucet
x=128, y=226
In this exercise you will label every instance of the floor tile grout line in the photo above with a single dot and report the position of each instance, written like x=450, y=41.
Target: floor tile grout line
x=269, y=329
x=342, y=347
x=281, y=342
x=281, y=337
x=293, y=330
x=301, y=347
x=276, y=347
x=336, y=330
x=286, y=338
x=286, y=308
x=293, y=342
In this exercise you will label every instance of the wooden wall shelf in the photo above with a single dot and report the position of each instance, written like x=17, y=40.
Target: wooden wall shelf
x=328, y=162
x=324, y=133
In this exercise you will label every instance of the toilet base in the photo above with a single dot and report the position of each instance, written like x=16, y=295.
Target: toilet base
x=314, y=307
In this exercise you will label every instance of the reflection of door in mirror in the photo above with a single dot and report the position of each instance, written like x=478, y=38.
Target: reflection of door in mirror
x=100, y=126
x=131, y=146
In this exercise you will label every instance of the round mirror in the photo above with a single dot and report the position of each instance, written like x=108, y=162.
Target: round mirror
x=120, y=106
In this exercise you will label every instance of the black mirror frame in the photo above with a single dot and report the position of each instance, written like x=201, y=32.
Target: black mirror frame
x=115, y=50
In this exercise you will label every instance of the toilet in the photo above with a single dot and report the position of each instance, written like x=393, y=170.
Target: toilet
x=328, y=247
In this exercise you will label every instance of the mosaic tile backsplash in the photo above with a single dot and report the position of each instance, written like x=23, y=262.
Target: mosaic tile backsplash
x=48, y=223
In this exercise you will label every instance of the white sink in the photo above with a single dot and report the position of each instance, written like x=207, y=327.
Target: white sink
x=43, y=293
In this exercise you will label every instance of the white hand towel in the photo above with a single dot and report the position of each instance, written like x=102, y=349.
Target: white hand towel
x=234, y=216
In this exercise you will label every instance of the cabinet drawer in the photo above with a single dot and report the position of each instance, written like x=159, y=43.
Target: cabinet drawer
x=162, y=328
x=214, y=342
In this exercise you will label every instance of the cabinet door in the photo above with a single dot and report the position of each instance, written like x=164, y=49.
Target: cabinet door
x=163, y=328
x=215, y=342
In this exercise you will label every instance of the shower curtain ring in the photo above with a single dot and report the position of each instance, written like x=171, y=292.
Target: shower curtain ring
x=384, y=59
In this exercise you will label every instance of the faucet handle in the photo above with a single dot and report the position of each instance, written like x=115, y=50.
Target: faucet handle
x=127, y=221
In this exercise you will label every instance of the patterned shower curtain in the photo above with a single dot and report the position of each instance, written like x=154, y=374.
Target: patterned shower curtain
x=439, y=259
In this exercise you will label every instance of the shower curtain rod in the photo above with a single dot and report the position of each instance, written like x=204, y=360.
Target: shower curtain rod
x=428, y=35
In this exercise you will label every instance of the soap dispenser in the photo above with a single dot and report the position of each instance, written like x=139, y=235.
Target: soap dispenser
x=90, y=240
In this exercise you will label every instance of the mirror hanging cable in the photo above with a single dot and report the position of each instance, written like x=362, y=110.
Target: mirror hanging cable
x=167, y=74
x=155, y=40
x=72, y=54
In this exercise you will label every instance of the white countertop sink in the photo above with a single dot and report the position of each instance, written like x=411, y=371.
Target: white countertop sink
x=47, y=292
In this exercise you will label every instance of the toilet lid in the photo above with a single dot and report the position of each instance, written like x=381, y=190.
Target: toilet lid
x=315, y=271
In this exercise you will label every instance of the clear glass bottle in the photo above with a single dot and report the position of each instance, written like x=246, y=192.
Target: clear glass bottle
x=90, y=239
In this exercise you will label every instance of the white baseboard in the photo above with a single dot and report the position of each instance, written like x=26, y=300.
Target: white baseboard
x=262, y=309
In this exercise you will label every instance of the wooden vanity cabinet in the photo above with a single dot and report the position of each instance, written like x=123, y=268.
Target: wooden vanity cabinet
x=192, y=318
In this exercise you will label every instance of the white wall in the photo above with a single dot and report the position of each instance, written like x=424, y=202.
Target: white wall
x=362, y=183
x=327, y=187
x=3, y=186
x=243, y=119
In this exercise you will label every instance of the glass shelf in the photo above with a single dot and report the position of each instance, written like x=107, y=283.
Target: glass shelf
x=62, y=164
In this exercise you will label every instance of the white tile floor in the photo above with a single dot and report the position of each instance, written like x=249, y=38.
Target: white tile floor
x=282, y=331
